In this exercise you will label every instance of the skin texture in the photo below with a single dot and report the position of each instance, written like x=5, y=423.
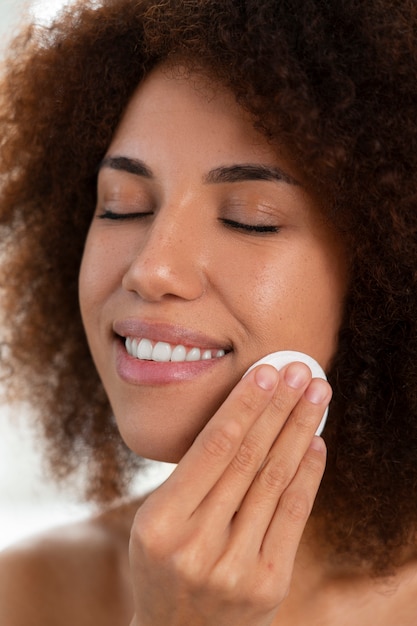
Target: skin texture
x=180, y=272
x=226, y=539
x=81, y=574
x=194, y=560
x=335, y=84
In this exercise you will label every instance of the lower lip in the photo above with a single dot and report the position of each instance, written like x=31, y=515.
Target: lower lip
x=138, y=372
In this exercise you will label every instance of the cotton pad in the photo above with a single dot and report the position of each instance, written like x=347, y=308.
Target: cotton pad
x=284, y=357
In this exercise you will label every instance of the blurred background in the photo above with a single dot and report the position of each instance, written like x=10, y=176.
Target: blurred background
x=29, y=502
x=11, y=11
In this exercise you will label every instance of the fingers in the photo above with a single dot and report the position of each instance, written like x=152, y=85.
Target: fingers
x=215, y=447
x=295, y=505
x=216, y=474
x=231, y=516
x=287, y=459
x=267, y=561
x=293, y=396
x=276, y=509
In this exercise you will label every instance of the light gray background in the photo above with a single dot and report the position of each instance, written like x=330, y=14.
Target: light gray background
x=9, y=12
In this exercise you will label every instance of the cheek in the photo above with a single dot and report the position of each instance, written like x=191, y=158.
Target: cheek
x=88, y=283
x=316, y=312
x=293, y=302
x=260, y=288
x=100, y=272
x=153, y=429
x=93, y=286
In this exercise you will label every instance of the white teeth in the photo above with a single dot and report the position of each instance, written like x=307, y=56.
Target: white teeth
x=178, y=354
x=128, y=344
x=163, y=352
x=144, y=350
x=193, y=355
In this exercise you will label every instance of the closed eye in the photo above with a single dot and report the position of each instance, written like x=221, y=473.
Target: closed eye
x=112, y=215
x=250, y=228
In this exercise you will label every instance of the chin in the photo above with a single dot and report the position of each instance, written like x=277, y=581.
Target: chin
x=162, y=424
x=169, y=452
x=159, y=439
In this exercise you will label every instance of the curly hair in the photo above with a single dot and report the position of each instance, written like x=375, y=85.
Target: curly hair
x=335, y=82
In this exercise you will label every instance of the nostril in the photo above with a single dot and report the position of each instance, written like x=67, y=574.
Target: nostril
x=154, y=279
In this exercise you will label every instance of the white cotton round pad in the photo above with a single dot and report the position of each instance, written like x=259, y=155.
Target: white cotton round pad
x=284, y=357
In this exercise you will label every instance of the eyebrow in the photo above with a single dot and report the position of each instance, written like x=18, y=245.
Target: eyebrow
x=247, y=172
x=127, y=164
x=223, y=174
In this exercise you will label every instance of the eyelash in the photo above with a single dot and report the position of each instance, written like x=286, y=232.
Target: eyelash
x=111, y=215
x=250, y=228
x=247, y=228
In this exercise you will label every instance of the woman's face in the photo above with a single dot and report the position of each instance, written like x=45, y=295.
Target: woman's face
x=205, y=249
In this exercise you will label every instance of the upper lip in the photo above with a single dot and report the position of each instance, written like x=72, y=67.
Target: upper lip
x=170, y=333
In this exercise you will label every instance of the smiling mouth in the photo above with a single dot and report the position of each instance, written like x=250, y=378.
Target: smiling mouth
x=163, y=352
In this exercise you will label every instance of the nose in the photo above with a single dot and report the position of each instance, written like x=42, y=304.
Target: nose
x=168, y=260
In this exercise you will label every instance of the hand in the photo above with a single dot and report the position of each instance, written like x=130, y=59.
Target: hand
x=215, y=545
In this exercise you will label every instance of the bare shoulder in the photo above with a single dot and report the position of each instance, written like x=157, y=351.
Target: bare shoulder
x=406, y=605
x=77, y=574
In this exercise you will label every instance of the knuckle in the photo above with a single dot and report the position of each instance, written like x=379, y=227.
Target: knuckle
x=303, y=422
x=248, y=458
x=221, y=441
x=148, y=534
x=226, y=581
x=296, y=506
x=274, y=476
x=314, y=465
x=188, y=567
x=268, y=591
x=267, y=597
x=249, y=401
x=257, y=591
x=280, y=404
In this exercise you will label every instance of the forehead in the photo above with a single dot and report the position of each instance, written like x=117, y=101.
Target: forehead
x=167, y=85
x=177, y=112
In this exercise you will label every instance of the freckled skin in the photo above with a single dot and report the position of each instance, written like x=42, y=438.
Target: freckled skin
x=256, y=292
x=184, y=268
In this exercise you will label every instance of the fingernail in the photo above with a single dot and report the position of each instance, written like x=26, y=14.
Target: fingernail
x=266, y=377
x=316, y=392
x=296, y=375
x=318, y=444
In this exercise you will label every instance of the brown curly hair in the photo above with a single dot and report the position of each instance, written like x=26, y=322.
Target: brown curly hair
x=335, y=81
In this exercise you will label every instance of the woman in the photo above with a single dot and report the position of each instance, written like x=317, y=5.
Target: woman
x=235, y=179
